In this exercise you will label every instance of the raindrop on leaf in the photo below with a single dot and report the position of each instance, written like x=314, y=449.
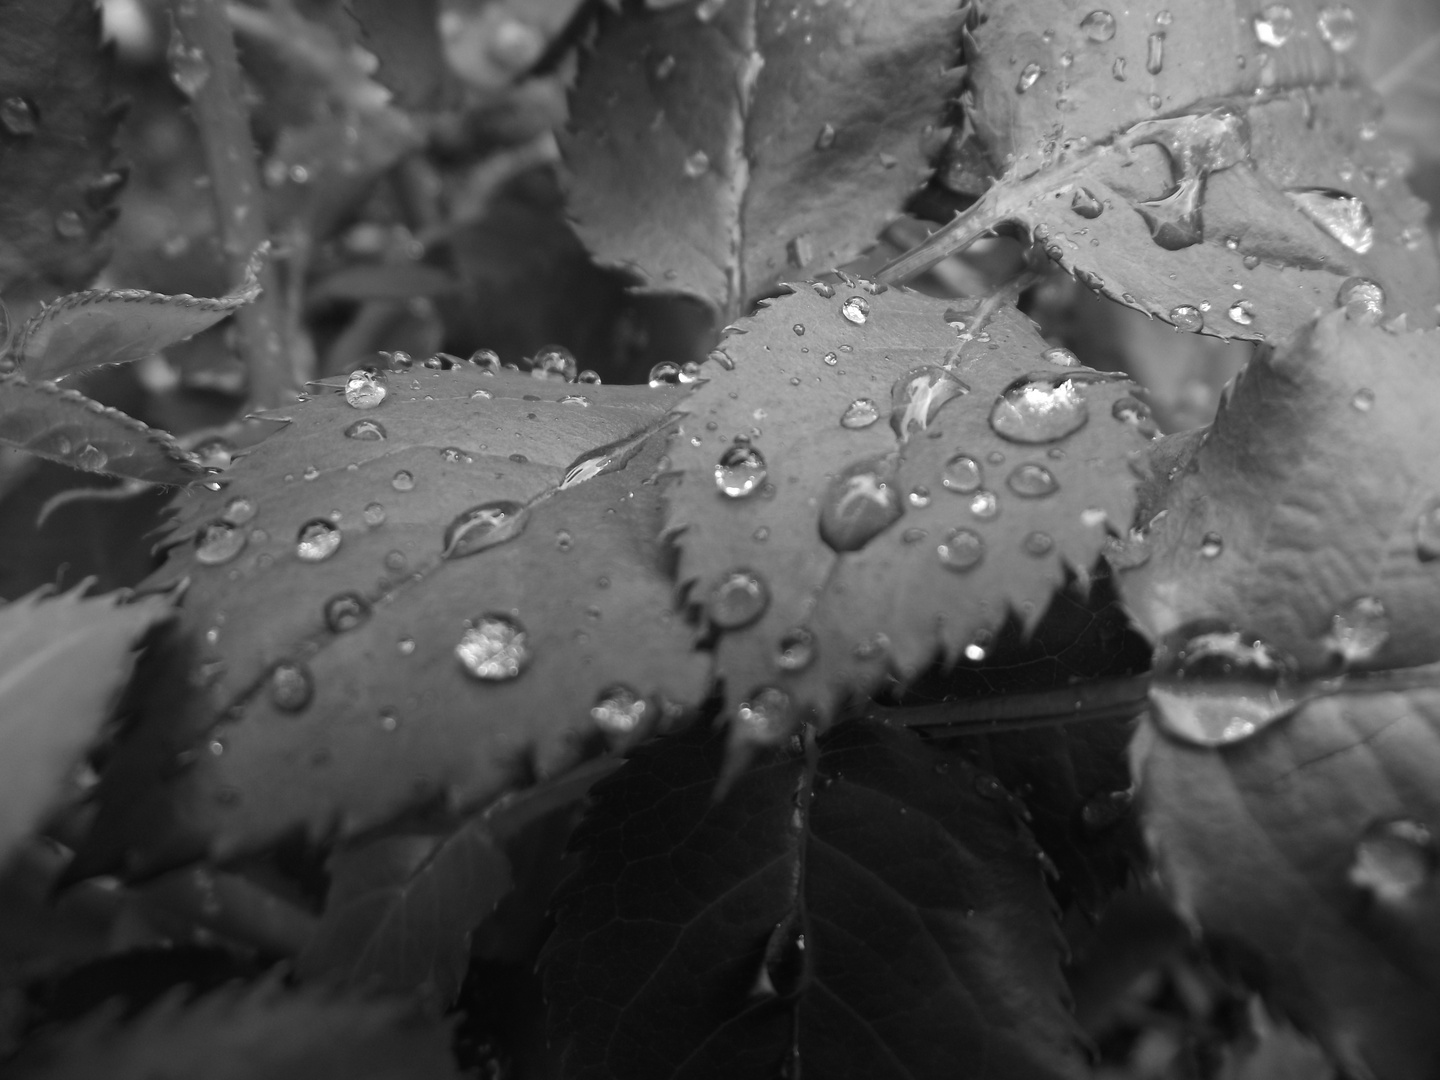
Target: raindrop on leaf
x=1343, y=216
x=856, y=309
x=767, y=719
x=1359, y=631
x=402, y=481
x=1394, y=860
x=1339, y=27
x=1362, y=299
x=860, y=413
x=364, y=389
x=618, y=711
x=18, y=116
x=1241, y=312
x=664, y=373
x=796, y=650
x=555, y=362
x=963, y=475
x=1274, y=25
x=917, y=397
x=1098, y=26
x=1039, y=410
x=962, y=550
x=860, y=503
x=740, y=471
x=1029, y=76
x=1032, y=481
x=317, y=540
x=346, y=611
x=366, y=430
x=1216, y=687
x=218, y=542
x=738, y=599
x=291, y=686
x=494, y=649
x=484, y=526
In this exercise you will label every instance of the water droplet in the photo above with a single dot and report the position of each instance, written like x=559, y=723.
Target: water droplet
x=1394, y=860
x=92, y=458
x=1274, y=25
x=346, y=611
x=1155, y=53
x=1039, y=410
x=218, y=542
x=738, y=599
x=767, y=719
x=494, y=649
x=374, y=514
x=1364, y=400
x=919, y=497
x=591, y=378
x=825, y=138
x=317, y=540
x=740, y=471
x=481, y=395
x=455, y=456
x=18, y=116
x=1217, y=687
x=1339, y=27
x=796, y=649
x=664, y=373
x=1038, y=544
x=962, y=550
x=962, y=474
x=1362, y=299
x=1032, y=481
x=555, y=362
x=364, y=389
x=664, y=67
x=1187, y=318
x=239, y=510
x=291, y=686
x=697, y=164
x=985, y=505
x=366, y=430
x=405, y=646
x=1029, y=76
x=1343, y=216
x=1098, y=26
x=860, y=503
x=189, y=67
x=916, y=398
x=1241, y=312
x=69, y=225
x=1427, y=532
x=1135, y=414
x=1117, y=69
x=483, y=527
x=402, y=481
x=487, y=360
x=860, y=413
x=1358, y=631
x=856, y=309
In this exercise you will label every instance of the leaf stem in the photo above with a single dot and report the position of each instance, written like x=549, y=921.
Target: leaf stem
x=1098, y=699
x=202, y=30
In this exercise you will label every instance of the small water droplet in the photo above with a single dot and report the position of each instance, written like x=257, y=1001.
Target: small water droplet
x=239, y=510
x=1029, y=76
x=664, y=67
x=364, y=389
x=825, y=138
x=664, y=373
x=346, y=611
x=919, y=497
x=1362, y=299
x=366, y=430
x=1039, y=410
x=481, y=395
x=374, y=514
x=1117, y=69
x=494, y=649
x=1343, y=216
x=218, y=542
x=619, y=711
x=291, y=686
x=962, y=550
x=1155, y=53
x=1358, y=631
x=18, y=116
x=455, y=456
x=860, y=413
x=796, y=649
x=1135, y=414
x=483, y=527
x=738, y=599
x=697, y=164
x=985, y=505
x=860, y=503
x=963, y=475
x=1032, y=481
x=1211, y=545
x=1098, y=26
x=69, y=225
x=1394, y=860
x=1339, y=27
x=402, y=481
x=1241, y=312
x=189, y=67
x=916, y=398
x=555, y=362
x=855, y=309
x=1038, y=544
x=405, y=646
x=1364, y=400
x=317, y=540
x=1216, y=687
x=1274, y=25
x=740, y=471
x=767, y=719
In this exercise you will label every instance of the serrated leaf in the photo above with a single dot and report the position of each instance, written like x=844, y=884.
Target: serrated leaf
x=58, y=180
x=68, y=427
x=1175, y=161
x=765, y=135
x=86, y=330
x=401, y=908
x=388, y=717
x=891, y=604
x=861, y=905
x=405, y=39
x=63, y=664
x=243, y=1032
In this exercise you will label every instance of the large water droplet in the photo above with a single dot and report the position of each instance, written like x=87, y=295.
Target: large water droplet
x=555, y=362
x=18, y=116
x=1394, y=860
x=1029, y=76
x=1039, y=410
x=487, y=360
x=364, y=389
x=740, y=471
x=916, y=398
x=346, y=611
x=1098, y=26
x=1241, y=312
x=1339, y=27
x=963, y=474
x=1343, y=216
x=1032, y=481
x=1362, y=299
x=795, y=650
x=856, y=309
x=860, y=503
x=218, y=542
x=1274, y=25
x=494, y=649
x=484, y=526
x=1187, y=318
x=618, y=711
x=664, y=373
x=317, y=540
x=767, y=719
x=738, y=599
x=1358, y=631
x=291, y=686
x=1217, y=687
x=985, y=505
x=962, y=550
x=366, y=430
x=860, y=413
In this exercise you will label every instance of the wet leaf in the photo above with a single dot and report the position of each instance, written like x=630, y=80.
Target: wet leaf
x=768, y=136
x=1221, y=169
x=405, y=39
x=86, y=330
x=247, y=1031
x=58, y=117
x=864, y=901
x=332, y=668
x=886, y=551
x=66, y=426
x=63, y=664
x=401, y=908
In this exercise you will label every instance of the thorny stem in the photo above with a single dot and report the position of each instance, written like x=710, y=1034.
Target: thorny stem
x=223, y=122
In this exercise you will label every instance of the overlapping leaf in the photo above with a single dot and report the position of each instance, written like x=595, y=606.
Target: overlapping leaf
x=926, y=565
x=314, y=677
x=863, y=905
x=244, y=1032
x=1288, y=774
x=63, y=664
x=714, y=145
x=58, y=180
x=1215, y=164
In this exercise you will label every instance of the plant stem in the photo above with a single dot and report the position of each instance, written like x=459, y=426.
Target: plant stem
x=217, y=102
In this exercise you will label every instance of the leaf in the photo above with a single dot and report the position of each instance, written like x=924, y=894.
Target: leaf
x=1235, y=189
x=405, y=38
x=766, y=137
x=242, y=1032
x=265, y=716
x=63, y=663
x=86, y=330
x=68, y=427
x=58, y=181
x=859, y=903
x=889, y=603
x=401, y=908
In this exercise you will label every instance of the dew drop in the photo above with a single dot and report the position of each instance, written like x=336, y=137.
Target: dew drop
x=402, y=481
x=1029, y=76
x=697, y=164
x=860, y=503
x=487, y=360
x=218, y=542
x=1274, y=25
x=1241, y=312
x=963, y=475
x=239, y=510
x=555, y=362
x=664, y=373
x=1358, y=631
x=366, y=430
x=767, y=719
x=856, y=309
x=405, y=646
x=455, y=456
x=374, y=514
x=1363, y=400
x=918, y=396
x=346, y=611
x=1155, y=53
x=1117, y=69
x=364, y=389
x=291, y=686
x=618, y=711
x=1039, y=410
x=317, y=540
x=738, y=599
x=1061, y=357
x=1394, y=860
x=1339, y=27
x=831, y=359
x=1136, y=415
x=1038, y=544
x=1098, y=26
x=1216, y=687
x=962, y=550
x=1032, y=481
x=92, y=458
x=189, y=67
x=69, y=225
x=1362, y=299
x=484, y=526
x=919, y=497
x=18, y=116
x=985, y=505
x=1211, y=545
x=740, y=471
x=494, y=649
x=1343, y=216
x=860, y=413
x=796, y=649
